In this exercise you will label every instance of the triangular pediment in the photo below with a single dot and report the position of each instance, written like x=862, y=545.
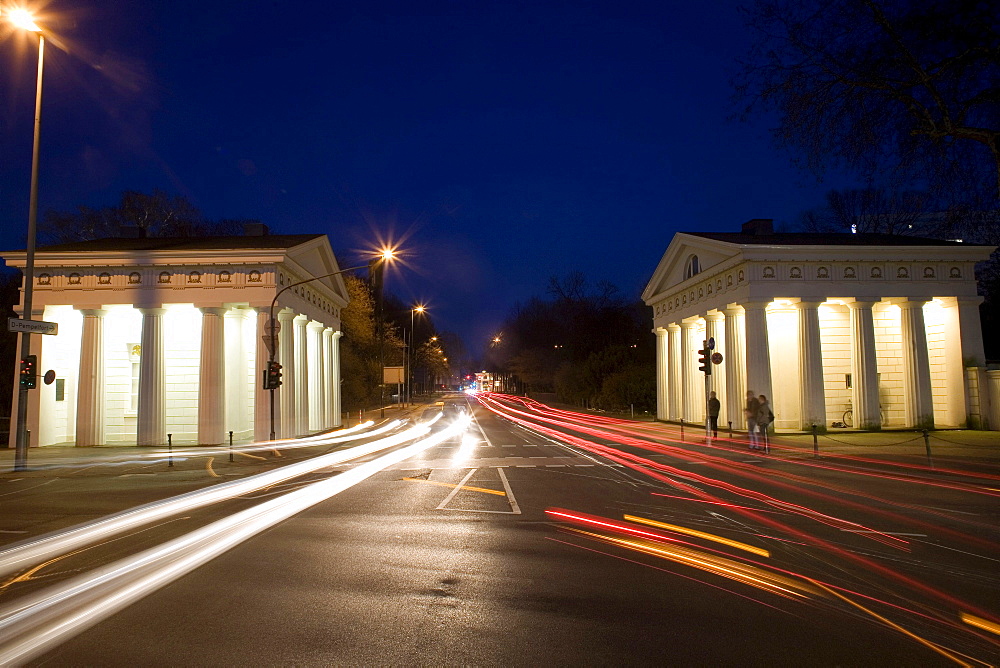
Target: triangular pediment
x=673, y=267
x=316, y=258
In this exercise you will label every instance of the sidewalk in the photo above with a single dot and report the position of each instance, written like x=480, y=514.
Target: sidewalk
x=180, y=461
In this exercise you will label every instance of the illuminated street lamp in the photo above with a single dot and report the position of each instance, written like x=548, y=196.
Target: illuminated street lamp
x=23, y=19
x=419, y=308
x=385, y=255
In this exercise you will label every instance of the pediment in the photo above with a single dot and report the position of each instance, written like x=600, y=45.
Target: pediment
x=316, y=258
x=673, y=266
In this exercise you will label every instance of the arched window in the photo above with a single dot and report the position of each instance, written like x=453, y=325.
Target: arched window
x=692, y=268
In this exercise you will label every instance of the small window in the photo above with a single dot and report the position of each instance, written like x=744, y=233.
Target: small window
x=693, y=267
x=60, y=389
x=847, y=379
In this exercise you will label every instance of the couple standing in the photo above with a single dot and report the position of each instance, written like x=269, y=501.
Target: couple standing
x=758, y=415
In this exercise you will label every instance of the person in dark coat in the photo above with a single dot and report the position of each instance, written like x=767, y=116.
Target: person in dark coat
x=750, y=412
x=714, y=405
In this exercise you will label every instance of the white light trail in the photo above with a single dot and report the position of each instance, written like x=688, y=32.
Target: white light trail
x=28, y=553
x=33, y=625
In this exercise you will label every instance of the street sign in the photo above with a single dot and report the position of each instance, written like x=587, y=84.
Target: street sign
x=270, y=343
x=49, y=377
x=32, y=326
x=711, y=343
x=273, y=323
x=716, y=358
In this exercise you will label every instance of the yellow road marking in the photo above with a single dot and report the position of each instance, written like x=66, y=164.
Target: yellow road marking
x=448, y=484
x=247, y=454
x=699, y=534
x=208, y=467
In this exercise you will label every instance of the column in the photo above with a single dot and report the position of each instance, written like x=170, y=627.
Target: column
x=674, y=371
x=662, y=398
x=317, y=362
x=90, y=391
x=328, y=415
x=993, y=389
x=152, y=413
x=335, y=379
x=286, y=358
x=970, y=333
x=812, y=391
x=301, y=376
x=715, y=329
x=262, y=397
x=689, y=395
x=864, y=368
x=212, y=377
x=237, y=403
x=758, y=354
x=917, y=397
x=736, y=369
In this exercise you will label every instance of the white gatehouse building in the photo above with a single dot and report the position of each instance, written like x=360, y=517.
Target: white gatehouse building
x=161, y=336
x=886, y=327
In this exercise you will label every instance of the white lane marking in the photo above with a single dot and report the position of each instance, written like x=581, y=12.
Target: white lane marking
x=480, y=428
x=514, y=508
x=526, y=466
x=555, y=466
x=451, y=495
x=952, y=510
x=583, y=465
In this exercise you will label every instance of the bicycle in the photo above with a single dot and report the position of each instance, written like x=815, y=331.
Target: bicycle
x=848, y=418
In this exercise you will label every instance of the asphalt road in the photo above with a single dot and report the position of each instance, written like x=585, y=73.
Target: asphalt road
x=541, y=538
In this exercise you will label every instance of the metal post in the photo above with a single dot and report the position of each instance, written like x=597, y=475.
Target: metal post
x=927, y=447
x=21, y=430
x=170, y=449
x=230, y=446
x=730, y=430
x=815, y=443
x=682, y=430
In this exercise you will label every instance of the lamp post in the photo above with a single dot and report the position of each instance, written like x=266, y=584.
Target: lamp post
x=385, y=255
x=23, y=19
x=419, y=308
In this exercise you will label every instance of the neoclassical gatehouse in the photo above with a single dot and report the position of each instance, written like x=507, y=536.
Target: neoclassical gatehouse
x=885, y=326
x=163, y=336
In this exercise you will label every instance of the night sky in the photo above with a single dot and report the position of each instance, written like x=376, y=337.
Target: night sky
x=499, y=143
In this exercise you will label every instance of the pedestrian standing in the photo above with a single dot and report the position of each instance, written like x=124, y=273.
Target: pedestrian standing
x=714, y=405
x=764, y=416
x=750, y=412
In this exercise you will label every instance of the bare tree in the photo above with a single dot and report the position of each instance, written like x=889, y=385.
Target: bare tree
x=880, y=85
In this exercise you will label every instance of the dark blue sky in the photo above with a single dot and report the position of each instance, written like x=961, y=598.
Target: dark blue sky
x=500, y=142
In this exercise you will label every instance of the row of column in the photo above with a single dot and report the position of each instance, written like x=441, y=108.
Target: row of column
x=741, y=332
x=309, y=398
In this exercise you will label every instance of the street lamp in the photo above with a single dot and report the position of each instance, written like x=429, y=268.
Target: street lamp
x=23, y=19
x=419, y=308
x=384, y=256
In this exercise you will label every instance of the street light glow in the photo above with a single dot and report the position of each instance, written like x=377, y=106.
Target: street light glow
x=23, y=19
x=388, y=254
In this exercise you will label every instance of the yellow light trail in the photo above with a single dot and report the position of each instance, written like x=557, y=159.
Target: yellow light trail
x=979, y=622
x=699, y=534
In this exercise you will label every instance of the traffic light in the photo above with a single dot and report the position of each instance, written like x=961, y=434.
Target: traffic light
x=29, y=372
x=272, y=376
x=704, y=359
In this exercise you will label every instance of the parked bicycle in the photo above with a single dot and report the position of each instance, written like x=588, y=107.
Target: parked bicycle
x=848, y=417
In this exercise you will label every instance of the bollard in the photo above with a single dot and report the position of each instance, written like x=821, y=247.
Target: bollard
x=682, y=430
x=815, y=443
x=170, y=449
x=230, y=446
x=730, y=430
x=927, y=447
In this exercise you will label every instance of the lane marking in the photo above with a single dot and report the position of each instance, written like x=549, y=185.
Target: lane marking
x=448, y=484
x=514, y=508
x=480, y=428
x=451, y=496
